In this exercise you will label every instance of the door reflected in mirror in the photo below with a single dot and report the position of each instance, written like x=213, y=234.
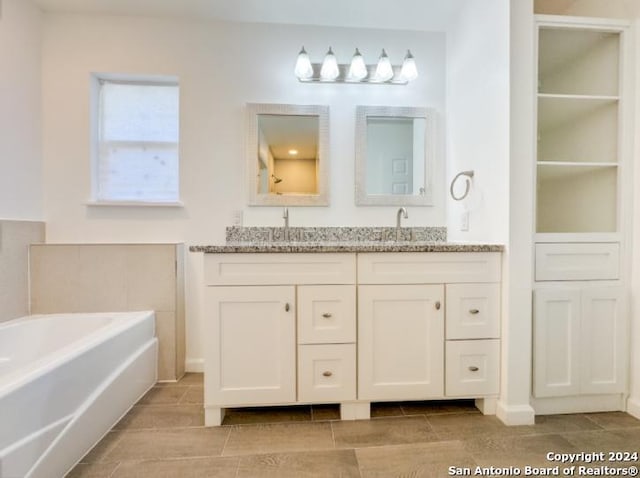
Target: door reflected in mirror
x=286, y=158
x=288, y=154
x=394, y=156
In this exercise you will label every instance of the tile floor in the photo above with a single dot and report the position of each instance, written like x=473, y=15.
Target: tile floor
x=163, y=436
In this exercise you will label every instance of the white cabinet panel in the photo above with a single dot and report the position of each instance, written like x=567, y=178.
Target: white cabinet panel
x=604, y=338
x=251, y=333
x=400, y=342
x=326, y=373
x=428, y=267
x=472, y=368
x=472, y=311
x=277, y=269
x=326, y=314
x=556, y=342
x=580, y=337
x=587, y=261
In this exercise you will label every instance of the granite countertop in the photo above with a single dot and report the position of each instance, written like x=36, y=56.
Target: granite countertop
x=348, y=246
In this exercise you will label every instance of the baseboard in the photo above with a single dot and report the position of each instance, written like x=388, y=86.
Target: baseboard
x=578, y=404
x=633, y=407
x=515, y=414
x=194, y=365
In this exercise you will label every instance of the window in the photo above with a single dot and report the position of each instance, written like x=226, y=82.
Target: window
x=137, y=142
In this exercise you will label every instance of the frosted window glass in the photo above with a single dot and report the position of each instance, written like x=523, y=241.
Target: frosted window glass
x=138, y=142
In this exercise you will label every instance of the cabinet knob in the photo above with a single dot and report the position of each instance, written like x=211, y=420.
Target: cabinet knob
x=473, y=368
x=474, y=311
x=327, y=374
x=438, y=305
x=287, y=307
x=327, y=315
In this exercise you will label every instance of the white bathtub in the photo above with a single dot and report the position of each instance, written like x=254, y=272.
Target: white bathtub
x=65, y=380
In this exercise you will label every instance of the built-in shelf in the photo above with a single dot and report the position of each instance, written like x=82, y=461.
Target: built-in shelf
x=578, y=61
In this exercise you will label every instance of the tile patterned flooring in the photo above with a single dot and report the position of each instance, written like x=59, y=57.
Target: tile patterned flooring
x=163, y=436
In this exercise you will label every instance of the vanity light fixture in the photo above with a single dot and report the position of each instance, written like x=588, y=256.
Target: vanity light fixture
x=330, y=71
x=384, y=70
x=303, y=70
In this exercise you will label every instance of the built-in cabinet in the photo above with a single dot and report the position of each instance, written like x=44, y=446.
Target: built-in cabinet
x=579, y=317
x=350, y=329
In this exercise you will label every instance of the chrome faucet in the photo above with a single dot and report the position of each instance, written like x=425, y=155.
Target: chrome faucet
x=402, y=213
x=285, y=216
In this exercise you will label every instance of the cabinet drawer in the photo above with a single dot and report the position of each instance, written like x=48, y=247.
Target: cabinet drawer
x=472, y=311
x=592, y=261
x=279, y=269
x=428, y=267
x=472, y=367
x=326, y=314
x=326, y=373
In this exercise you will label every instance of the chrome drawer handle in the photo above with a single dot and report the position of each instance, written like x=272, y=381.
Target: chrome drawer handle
x=474, y=368
x=327, y=315
x=474, y=311
x=327, y=374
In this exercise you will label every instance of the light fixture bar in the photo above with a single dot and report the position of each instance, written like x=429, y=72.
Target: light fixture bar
x=356, y=72
x=343, y=76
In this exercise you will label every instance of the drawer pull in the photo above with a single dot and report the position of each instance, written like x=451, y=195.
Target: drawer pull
x=474, y=311
x=473, y=368
x=327, y=315
x=327, y=374
x=287, y=307
x=437, y=305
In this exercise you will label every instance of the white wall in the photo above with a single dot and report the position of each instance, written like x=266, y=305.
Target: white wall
x=221, y=67
x=20, y=113
x=478, y=120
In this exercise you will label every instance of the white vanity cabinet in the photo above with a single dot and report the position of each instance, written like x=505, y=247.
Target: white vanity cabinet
x=350, y=328
x=428, y=325
x=280, y=329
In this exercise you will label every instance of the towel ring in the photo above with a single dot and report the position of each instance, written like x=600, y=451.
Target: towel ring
x=469, y=175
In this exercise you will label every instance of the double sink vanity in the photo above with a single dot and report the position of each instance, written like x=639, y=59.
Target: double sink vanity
x=345, y=315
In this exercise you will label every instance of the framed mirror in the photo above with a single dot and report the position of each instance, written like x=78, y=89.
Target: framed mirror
x=287, y=154
x=395, y=150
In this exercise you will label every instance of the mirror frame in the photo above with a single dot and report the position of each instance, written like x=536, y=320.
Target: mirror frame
x=251, y=152
x=361, y=196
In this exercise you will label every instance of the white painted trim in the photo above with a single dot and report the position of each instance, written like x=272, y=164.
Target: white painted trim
x=515, y=414
x=633, y=407
x=194, y=365
x=134, y=204
x=578, y=404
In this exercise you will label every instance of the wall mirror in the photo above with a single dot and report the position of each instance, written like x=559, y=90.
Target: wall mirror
x=287, y=154
x=395, y=150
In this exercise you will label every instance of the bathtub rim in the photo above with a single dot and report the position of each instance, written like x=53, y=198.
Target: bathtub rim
x=122, y=321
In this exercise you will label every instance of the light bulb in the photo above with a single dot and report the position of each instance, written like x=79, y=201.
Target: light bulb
x=409, y=71
x=358, y=69
x=329, y=70
x=303, y=69
x=384, y=70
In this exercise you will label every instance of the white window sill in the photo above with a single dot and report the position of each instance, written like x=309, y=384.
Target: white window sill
x=134, y=204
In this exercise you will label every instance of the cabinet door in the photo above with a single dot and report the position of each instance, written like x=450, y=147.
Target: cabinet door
x=604, y=338
x=556, y=343
x=400, y=342
x=251, y=359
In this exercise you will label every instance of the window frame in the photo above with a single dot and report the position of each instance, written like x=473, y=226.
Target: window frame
x=97, y=80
